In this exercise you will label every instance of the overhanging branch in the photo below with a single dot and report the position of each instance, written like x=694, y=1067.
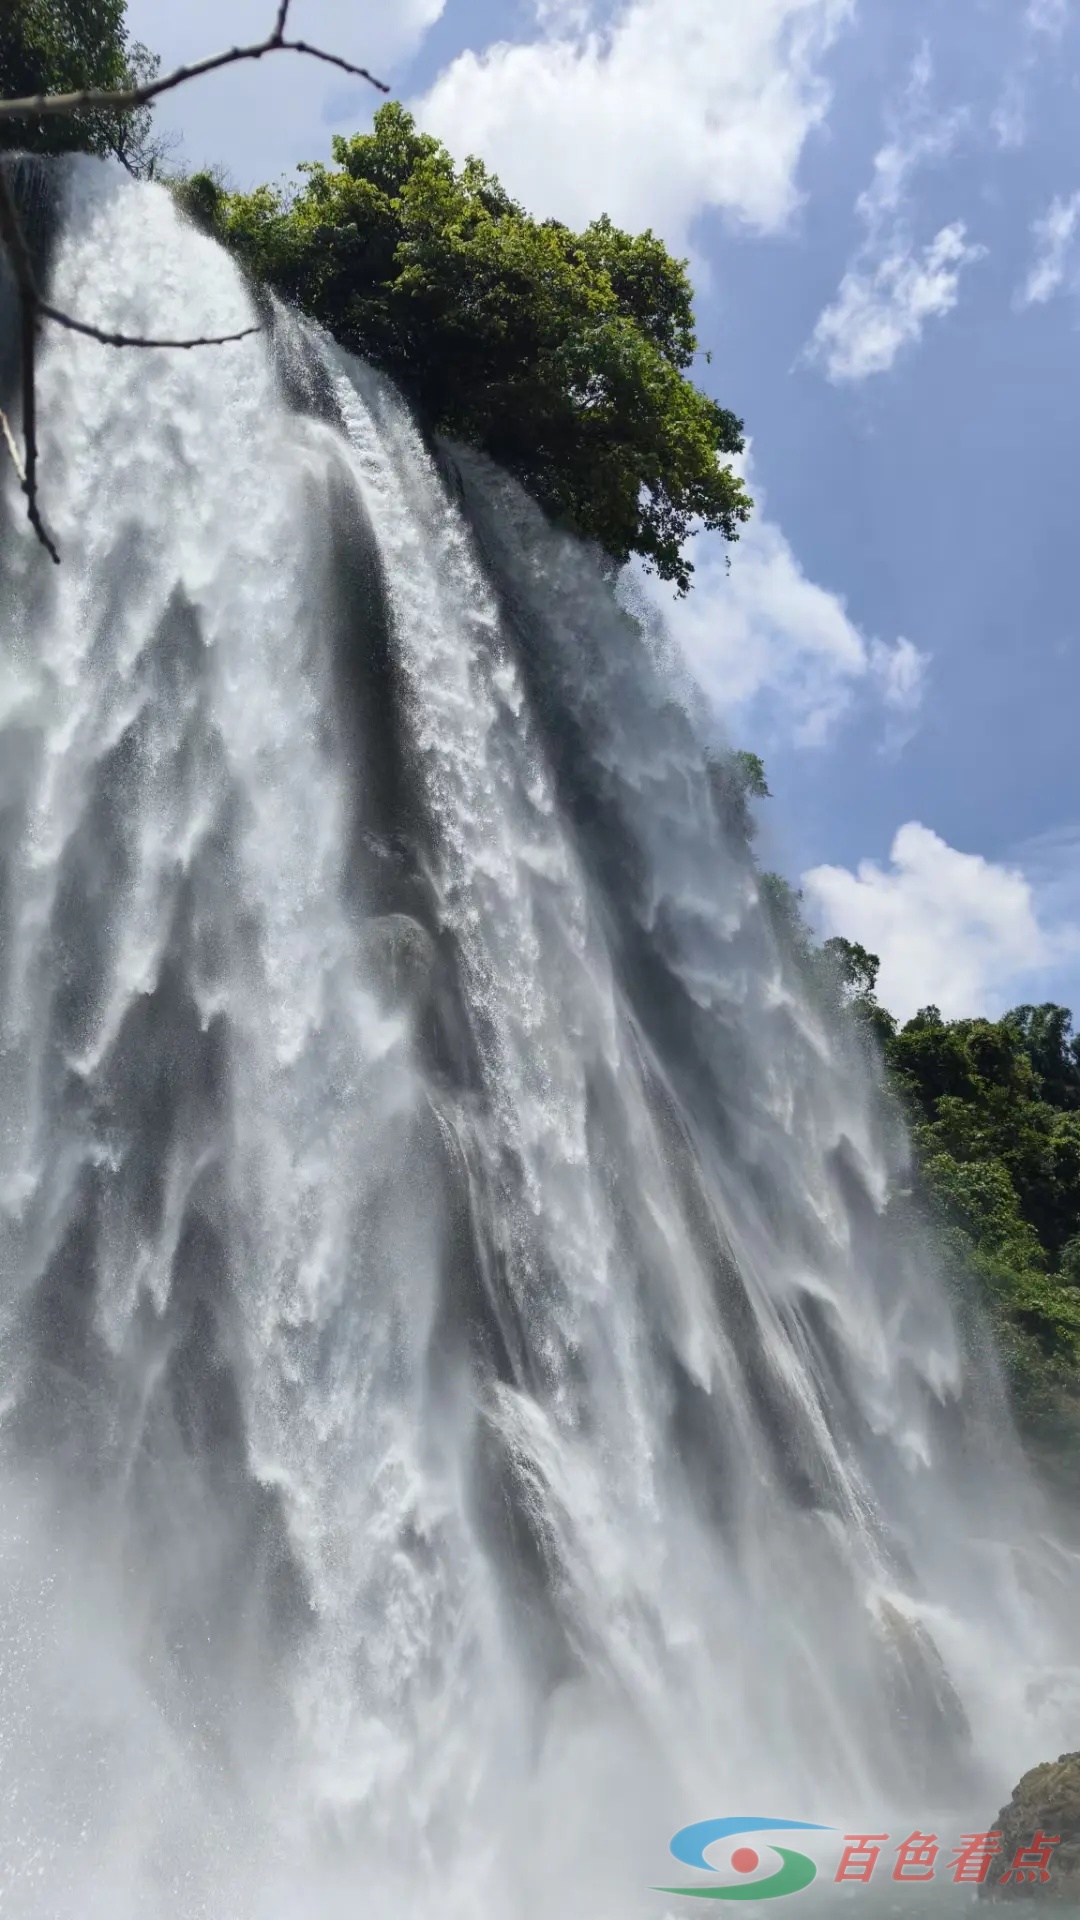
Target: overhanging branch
x=136, y=339
x=32, y=307
x=19, y=254
x=49, y=106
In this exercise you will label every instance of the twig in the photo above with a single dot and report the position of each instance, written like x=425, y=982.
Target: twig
x=22, y=267
x=12, y=447
x=43, y=106
x=32, y=308
x=135, y=339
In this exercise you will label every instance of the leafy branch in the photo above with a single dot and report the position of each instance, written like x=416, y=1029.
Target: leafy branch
x=32, y=306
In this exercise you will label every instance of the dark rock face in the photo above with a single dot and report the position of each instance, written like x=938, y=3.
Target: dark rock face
x=924, y=1698
x=1045, y=1804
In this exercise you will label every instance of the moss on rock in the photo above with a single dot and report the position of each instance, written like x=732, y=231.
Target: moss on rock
x=1046, y=1801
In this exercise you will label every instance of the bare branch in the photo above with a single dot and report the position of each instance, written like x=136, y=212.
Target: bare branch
x=12, y=447
x=32, y=308
x=42, y=106
x=333, y=60
x=11, y=234
x=135, y=339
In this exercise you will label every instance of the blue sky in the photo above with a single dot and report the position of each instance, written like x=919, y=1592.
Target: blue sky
x=881, y=201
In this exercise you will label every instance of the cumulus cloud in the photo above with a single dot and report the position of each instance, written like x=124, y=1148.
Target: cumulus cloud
x=891, y=287
x=952, y=929
x=1053, y=236
x=259, y=119
x=669, y=108
x=768, y=644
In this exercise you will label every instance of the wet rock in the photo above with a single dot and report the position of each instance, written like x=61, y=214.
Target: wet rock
x=925, y=1698
x=1046, y=1802
x=400, y=957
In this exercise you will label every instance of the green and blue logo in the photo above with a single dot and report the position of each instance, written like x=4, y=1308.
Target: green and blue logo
x=796, y=1871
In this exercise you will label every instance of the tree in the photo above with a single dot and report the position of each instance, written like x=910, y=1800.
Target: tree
x=58, y=46
x=1044, y=1033
x=132, y=137
x=561, y=355
x=846, y=978
x=782, y=905
x=734, y=780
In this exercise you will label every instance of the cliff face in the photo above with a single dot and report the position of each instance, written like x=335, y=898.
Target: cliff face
x=1046, y=1802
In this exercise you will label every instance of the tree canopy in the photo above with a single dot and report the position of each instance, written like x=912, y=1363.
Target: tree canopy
x=562, y=355
x=66, y=46
x=997, y=1135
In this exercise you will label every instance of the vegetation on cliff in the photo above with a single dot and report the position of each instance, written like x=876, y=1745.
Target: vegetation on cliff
x=565, y=357
x=63, y=46
x=993, y=1108
x=562, y=355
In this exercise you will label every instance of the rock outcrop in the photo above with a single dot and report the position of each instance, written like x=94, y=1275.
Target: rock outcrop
x=1046, y=1802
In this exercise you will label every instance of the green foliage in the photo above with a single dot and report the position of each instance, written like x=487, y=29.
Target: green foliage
x=980, y=1098
x=1069, y=1262
x=844, y=976
x=999, y=1164
x=66, y=46
x=735, y=780
x=562, y=355
x=131, y=136
x=1045, y=1034
x=979, y=1196
x=782, y=904
x=201, y=196
x=751, y=772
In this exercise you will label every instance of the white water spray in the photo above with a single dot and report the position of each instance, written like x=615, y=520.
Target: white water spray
x=465, y=1413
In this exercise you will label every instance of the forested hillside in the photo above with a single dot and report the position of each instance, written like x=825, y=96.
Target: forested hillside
x=995, y=1112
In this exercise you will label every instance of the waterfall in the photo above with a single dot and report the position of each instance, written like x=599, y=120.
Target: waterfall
x=467, y=1410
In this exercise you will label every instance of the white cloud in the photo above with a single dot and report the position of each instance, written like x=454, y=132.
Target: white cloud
x=1053, y=235
x=952, y=929
x=919, y=137
x=901, y=670
x=672, y=107
x=1047, y=16
x=881, y=309
x=260, y=119
x=766, y=643
x=890, y=288
x=1008, y=122
x=1043, y=21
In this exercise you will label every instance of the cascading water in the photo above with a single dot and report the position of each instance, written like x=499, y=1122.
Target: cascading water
x=465, y=1409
